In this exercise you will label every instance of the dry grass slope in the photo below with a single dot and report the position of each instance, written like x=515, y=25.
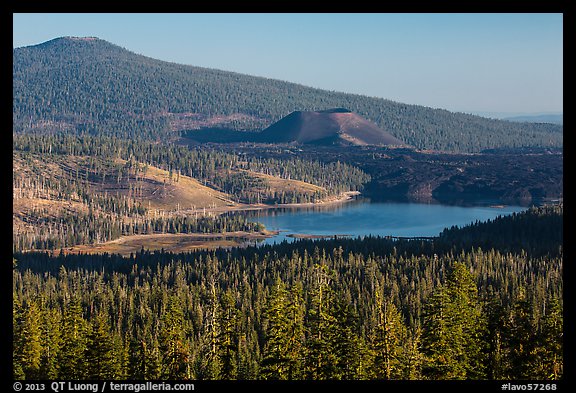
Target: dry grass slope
x=168, y=242
x=176, y=192
x=38, y=200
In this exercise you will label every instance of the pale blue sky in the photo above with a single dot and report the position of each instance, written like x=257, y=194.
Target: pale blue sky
x=510, y=63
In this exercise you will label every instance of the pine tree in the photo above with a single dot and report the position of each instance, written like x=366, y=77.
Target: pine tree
x=17, y=371
x=284, y=333
x=139, y=360
x=387, y=341
x=173, y=343
x=51, y=342
x=519, y=338
x=347, y=347
x=136, y=359
x=437, y=338
x=497, y=356
x=228, y=338
x=100, y=356
x=320, y=360
x=454, y=329
x=550, y=342
x=208, y=364
x=413, y=357
x=28, y=341
x=71, y=355
x=295, y=346
x=248, y=355
x=274, y=360
x=469, y=315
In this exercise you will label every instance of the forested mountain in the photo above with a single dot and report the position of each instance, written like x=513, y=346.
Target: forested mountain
x=87, y=85
x=343, y=309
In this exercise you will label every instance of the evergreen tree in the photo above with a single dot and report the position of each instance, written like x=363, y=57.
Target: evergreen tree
x=295, y=346
x=346, y=345
x=519, y=338
x=454, y=329
x=228, y=337
x=101, y=359
x=497, y=359
x=51, y=342
x=550, y=342
x=28, y=343
x=173, y=343
x=138, y=361
x=208, y=364
x=413, y=357
x=71, y=361
x=320, y=360
x=248, y=356
x=17, y=371
x=387, y=342
x=284, y=333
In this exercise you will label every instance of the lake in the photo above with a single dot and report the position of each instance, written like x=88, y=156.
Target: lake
x=362, y=217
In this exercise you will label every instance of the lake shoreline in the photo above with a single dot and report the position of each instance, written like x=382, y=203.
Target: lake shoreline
x=291, y=222
x=240, y=207
x=173, y=242
x=394, y=220
x=178, y=242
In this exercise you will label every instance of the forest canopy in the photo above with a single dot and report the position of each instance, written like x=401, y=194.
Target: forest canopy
x=383, y=309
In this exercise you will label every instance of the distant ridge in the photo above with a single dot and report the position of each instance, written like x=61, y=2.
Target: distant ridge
x=552, y=119
x=337, y=126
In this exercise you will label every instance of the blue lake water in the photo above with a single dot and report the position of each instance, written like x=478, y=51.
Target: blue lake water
x=360, y=218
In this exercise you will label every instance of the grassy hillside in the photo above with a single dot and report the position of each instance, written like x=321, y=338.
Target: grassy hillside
x=71, y=195
x=161, y=190
x=92, y=86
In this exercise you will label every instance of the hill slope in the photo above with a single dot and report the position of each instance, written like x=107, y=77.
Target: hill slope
x=335, y=126
x=87, y=85
x=62, y=199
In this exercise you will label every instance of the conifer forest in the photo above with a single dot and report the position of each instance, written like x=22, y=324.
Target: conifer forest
x=383, y=309
x=136, y=255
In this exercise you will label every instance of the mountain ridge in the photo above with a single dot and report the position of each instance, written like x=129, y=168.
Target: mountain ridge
x=88, y=85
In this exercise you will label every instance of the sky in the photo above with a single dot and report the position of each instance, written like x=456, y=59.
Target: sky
x=491, y=64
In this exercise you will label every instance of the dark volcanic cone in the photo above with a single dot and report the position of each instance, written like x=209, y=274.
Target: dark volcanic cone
x=329, y=127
